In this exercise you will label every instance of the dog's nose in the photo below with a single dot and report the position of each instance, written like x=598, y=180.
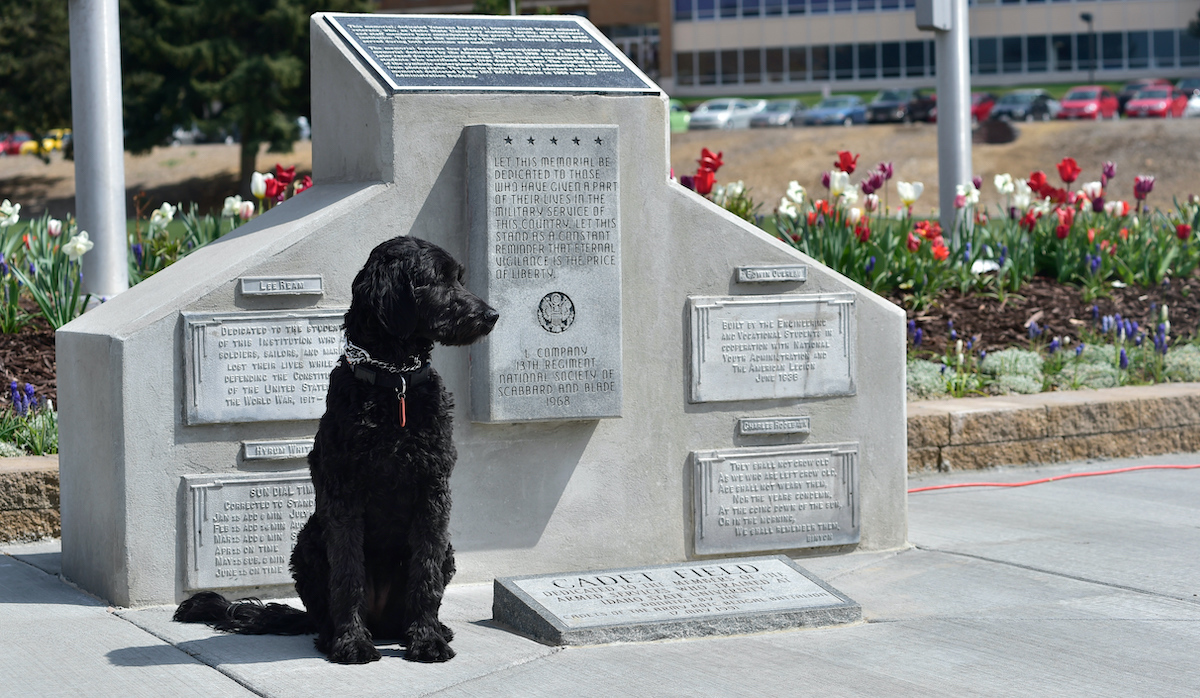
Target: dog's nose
x=490, y=316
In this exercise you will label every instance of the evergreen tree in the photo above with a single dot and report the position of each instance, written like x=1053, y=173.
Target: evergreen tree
x=35, y=66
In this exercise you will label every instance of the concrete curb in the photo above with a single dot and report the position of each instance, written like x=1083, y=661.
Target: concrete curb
x=974, y=433
x=29, y=498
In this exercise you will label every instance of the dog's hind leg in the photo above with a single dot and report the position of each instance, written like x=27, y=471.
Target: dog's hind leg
x=343, y=536
x=310, y=570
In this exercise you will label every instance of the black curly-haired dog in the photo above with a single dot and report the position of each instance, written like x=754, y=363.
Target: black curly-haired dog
x=374, y=559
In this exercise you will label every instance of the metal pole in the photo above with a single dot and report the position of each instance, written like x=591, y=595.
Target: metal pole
x=954, y=111
x=99, y=143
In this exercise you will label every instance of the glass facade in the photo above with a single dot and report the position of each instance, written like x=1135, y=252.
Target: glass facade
x=1102, y=51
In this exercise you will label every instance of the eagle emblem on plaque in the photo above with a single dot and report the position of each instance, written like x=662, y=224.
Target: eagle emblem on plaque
x=556, y=312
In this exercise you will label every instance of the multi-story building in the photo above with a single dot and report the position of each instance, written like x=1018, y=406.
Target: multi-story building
x=731, y=47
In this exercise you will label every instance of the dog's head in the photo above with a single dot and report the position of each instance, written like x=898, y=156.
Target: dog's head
x=410, y=288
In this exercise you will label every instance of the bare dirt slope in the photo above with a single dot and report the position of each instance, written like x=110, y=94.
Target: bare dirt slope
x=204, y=174
x=767, y=159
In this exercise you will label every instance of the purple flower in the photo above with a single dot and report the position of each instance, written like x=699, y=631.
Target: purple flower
x=953, y=335
x=886, y=169
x=825, y=179
x=977, y=181
x=18, y=399
x=137, y=253
x=688, y=181
x=1055, y=345
x=870, y=265
x=970, y=343
x=1034, y=330
x=1109, y=169
x=1096, y=312
x=912, y=326
x=1079, y=349
x=982, y=354
x=1003, y=255
x=1098, y=204
x=1124, y=359
x=1142, y=186
x=917, y=337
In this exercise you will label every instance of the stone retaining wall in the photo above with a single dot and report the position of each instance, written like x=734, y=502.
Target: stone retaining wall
x=962, y=434
x=973, y=433
x=29, y=498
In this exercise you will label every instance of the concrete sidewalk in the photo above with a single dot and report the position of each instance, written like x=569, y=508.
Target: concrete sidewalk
x=1084, y=587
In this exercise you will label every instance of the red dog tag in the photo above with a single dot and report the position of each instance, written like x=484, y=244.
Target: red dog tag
x=403, y=414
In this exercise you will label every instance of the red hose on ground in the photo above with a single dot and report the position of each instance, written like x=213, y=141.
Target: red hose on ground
x=1054, y=478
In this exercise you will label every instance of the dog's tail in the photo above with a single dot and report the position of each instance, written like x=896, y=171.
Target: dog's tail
x=245, y=616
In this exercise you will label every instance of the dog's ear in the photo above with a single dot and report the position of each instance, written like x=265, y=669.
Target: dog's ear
x=385, y=288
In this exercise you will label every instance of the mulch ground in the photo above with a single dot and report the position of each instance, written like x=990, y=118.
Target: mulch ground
x=1059, y=308
x=28, y=357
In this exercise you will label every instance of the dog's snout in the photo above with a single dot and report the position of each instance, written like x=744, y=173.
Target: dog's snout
x=490, y=316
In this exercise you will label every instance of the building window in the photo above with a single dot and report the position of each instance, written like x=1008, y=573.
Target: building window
x=1112, y=50
x=729, y=8
x=819, y=7
x=988, y=60
x=843, y=62
x=685, y=68
x=705, y=9
x=914, y=59
x=867, y=65
x=1189, y=49
x=752, y=65
x=683, y=10
x=1010, y=51
x=796, y=7
x=890, y=54
x=1035, y=54
x=706, y=67
x=775, y=65
x=865, y=5
x=1085, y=52
x=729, y=67
x=751, y=8
x=798, y=63
x=1139, y=49
x=843, y=5
x=1060, y=45
x=889, y=5
x=773, y=8
x=1164, y=49
x=820, y=62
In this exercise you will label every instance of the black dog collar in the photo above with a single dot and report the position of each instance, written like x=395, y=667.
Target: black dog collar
x=401, y=381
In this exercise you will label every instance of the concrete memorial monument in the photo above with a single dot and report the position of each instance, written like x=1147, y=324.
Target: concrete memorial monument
x=666, y=382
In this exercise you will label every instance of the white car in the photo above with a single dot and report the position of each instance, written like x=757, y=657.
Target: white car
x=1193, y=105
x=725, y=113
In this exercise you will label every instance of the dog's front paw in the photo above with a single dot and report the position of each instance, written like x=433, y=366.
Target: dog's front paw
x=428, y=645
x=353, y=650
x=447, y=633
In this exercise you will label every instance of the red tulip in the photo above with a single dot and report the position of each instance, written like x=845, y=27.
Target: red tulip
x=1037, y=182
x=1092, y=235
x=914, y=243
x=862, y=232
x=275, y=188
x=1183, y=231
x=1068, y=170
x=846, y=162
x=940, y=252
x=304, y=184
x=285, y=177
x=710, y=162
x=704, y=181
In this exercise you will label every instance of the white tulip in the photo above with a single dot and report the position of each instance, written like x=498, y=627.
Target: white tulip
x=1004, y=184
x=796, y=192
x=909, y=192
x=233, y=204
x=258, y=185
x=10, y=213
x=77, y=246
x=839, y=182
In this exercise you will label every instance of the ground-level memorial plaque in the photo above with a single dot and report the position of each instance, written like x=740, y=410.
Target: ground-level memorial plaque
x=545, y=251
x=714, y=597
x=775, y=498
x=242, y=528
x=259, y=366
x=780, y=346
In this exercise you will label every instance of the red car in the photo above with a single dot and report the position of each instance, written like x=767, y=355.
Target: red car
x=1162, y=101
x=1090, y=102
x=981, y=107
x=12, y=144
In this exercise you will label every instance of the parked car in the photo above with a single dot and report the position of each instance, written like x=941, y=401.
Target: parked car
x=12, y=144
x=680, y=117
x=893, y=105
x=1193, y=105
x=1090, y=102
x=1131, y=88
x=1188, y=85
x=1162, y=101
x=981, y=108
x=838, y=109
x=779, y=112
x=1025, y=105
x=724, y=113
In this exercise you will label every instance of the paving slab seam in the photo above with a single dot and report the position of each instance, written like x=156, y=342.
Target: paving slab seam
x=1086, y=580
x=249, y=687
x=509, y=667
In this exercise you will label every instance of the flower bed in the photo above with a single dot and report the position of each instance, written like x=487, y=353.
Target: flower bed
x=1085, y=283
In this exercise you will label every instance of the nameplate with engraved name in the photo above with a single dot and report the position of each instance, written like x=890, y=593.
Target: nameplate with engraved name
x=259, y=366
x=775, y=498
x=282, y=286
x=766, y=274
x=772, y=346
x=708, y=597
x=241, y=529
x=750, y=426
x=283, y=449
